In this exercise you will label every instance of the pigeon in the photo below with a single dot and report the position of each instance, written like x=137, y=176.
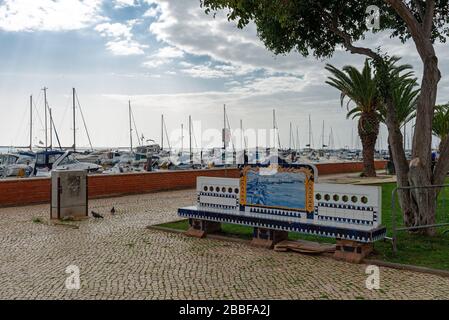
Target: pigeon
x=97, y=215
x=113, y=210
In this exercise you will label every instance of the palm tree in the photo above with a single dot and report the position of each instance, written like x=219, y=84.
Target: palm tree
x=404, y=93
x=405, y=99
x=441, y=121
x=361, y=89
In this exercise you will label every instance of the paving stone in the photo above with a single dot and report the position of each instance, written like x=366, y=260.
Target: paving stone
x=119, y=258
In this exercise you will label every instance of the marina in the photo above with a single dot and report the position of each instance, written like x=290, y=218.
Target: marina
x=145, y=155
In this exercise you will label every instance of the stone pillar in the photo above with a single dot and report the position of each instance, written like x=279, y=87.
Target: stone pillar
x=268, y=238
x=352, y=251
x=200, y=228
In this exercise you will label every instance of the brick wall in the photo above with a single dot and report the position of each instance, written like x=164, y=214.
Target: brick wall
x=18, y=192
x=346, y=167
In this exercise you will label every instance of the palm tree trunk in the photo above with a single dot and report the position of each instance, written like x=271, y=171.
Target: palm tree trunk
x=368, y=131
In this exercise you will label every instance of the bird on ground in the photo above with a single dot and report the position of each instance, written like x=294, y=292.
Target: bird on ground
x=97, y=215
x=113, y=210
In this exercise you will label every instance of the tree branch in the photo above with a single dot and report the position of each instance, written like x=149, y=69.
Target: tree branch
x=350, y=47
x=419, y=8
x=428, y=19
x=415, y=28
x=404, y=11
x=332, y=23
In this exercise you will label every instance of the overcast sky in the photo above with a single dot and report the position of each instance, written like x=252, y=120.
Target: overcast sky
x=166, y=56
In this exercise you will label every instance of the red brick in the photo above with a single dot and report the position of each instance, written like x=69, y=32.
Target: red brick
x=19, y=192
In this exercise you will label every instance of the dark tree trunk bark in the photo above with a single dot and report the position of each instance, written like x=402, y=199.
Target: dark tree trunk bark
x=420, y=173
x=368, y=131
x=395, y=138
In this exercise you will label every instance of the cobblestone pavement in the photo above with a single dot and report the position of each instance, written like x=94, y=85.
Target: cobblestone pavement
x=120, y=259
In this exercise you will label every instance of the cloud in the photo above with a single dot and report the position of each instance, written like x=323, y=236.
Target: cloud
x=121, y=41
x=125, y=47
x=237, y=93
x=163, y=56
x=116, y=30
x=153, y=12
x=49, y=15
x=124, y=3
x=183, y=24
x=213, y=71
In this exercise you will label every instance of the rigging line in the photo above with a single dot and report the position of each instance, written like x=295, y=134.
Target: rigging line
x=20, y=127
x=194, y=137
x=278, y=134
x=54, y=128
x=229, y=127
x=67, y=107
x=135, y=128
x=84, y=121
x=166, y=135
x=36, y=110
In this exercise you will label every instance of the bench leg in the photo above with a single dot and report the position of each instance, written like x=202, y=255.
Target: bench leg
x=201, y=228
x=352, y=251
x=268, y=238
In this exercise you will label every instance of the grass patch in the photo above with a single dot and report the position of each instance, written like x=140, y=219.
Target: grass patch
x=431, y=252
x=37, y=220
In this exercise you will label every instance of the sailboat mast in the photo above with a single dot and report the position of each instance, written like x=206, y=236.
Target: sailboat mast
x=74, y=118
x=290, y=138
x=274, y=127
x=31, y=123
x=162, y=132
x=45, y=107
x=224, y=132
x=51, y=129
x=323, y=136
x=310, y=132
x=241, y=135
x=130, y=127
x=190, y=139
x=352, y=138
x=331, y=139
x=297, y=139
x=182, y=138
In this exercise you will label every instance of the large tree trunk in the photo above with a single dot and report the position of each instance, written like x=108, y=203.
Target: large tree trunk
x=395, y=139
x=420, y=173
x=368, y=131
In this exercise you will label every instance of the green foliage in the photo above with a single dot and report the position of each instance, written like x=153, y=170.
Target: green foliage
x=378, y=81
x=359, y=87
x=441, y=121
x=316, y=26
x=398, y=83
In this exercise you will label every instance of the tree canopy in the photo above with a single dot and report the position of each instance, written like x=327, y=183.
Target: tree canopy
x=318, y=27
